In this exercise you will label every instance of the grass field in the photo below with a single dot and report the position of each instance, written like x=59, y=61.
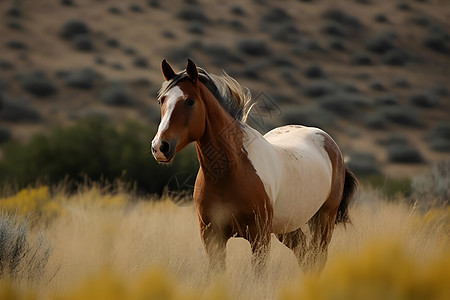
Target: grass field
x=95, y=245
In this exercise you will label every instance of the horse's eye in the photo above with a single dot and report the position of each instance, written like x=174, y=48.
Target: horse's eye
x=189, y=102
x=161, y=100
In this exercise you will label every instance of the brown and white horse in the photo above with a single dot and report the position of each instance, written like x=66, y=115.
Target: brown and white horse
x=249, y=185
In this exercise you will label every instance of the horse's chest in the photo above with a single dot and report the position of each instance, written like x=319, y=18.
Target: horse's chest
x=233, y=207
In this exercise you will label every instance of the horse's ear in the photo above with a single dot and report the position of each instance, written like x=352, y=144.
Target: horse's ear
x=167, y=70
x=191, y=70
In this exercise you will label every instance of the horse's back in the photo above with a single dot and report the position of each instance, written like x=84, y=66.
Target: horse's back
x=306, y=175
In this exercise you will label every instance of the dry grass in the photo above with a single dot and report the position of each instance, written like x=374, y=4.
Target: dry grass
x=111, y=247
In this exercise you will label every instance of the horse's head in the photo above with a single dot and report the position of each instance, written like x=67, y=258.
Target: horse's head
x=182, y=112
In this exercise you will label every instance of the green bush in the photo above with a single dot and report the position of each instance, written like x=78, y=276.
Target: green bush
x=95, y=150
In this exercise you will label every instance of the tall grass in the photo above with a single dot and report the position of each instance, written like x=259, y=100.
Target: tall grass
x=114, y=246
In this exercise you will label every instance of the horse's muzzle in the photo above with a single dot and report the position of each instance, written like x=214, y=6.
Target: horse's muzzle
x=163, y=150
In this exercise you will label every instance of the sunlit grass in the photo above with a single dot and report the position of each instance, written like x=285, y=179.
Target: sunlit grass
x=115, y=246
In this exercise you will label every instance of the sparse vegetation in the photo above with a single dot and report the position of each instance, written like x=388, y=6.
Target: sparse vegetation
x=363, y=164
x=439, y=138
x=83, y=42
x=16, y=111
x=314, y=71
x=73, y=28
x=38, y=84
x=424, y=100
x=16, y=44
x=189, y=13
x=82, y=79
x=404, y=153
x=402, y=115
x=253, y=47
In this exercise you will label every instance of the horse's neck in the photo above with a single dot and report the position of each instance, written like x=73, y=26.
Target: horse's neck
x=221, y=147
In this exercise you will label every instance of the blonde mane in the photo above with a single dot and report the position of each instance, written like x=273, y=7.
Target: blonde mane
x=234, y=98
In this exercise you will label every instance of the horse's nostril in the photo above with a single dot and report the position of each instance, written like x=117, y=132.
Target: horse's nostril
x=165, y=147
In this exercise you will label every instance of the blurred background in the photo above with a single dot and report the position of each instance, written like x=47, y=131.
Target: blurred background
x=79, y=78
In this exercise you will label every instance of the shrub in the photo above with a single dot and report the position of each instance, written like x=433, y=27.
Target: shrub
x=363, y=164
x=401, y=83
x=196, y=27
x=220, y=54
x=432, y=187
x=74, y=28
x=82, y=79
x=436, y=39
x=16, y=112
x=385, y=100
x=424, y=100
x=381, y=18
x=363, y=59
x=402, y=115
x=237, y=10
x=14, y=11
x=154, y=3
x=129, y=50
x=16, y=44
x=13, y=24
x=276, y=15
x=140, y=62
x=343, y=104
x=168, y=34
x=117, y=66
x=342, y=17
x=395, y=57
x=83, y=42
x=114, y=10
x=99, y=60
x=19, y=256
x=314, y=71
x=394, y=139
x=112, y=42
x=335, y=29
x=67, y=2
x=320, y=89
x=38, y=84
x=5, y=134
x=6, y=65
x=286, y=33
x=338, y=44
x=253, y=47
x=192, y=14
x=95, y=150
x=377, y=86
x=381, y=43
x=117, y=94
x=135, y=8
x=376, y=121
x=404, y=6
x=439, y=138
x=401, y=153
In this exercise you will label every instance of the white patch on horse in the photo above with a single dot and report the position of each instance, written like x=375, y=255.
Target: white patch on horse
x=295, y=169
x=172, y=97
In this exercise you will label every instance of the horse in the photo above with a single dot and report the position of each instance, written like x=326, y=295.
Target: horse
x=251, y=185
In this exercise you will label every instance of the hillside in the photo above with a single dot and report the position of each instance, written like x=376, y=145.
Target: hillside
x=374, y=73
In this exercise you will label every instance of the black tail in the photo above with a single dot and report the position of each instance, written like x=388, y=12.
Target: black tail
x=350, y=186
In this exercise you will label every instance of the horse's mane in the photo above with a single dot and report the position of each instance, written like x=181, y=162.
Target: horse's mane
x=235, y=99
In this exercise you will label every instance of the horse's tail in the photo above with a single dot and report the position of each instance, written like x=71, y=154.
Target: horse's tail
x=350, y=186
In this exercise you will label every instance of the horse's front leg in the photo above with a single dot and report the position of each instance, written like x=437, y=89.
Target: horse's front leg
x=214, y=242
x=259, y=238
